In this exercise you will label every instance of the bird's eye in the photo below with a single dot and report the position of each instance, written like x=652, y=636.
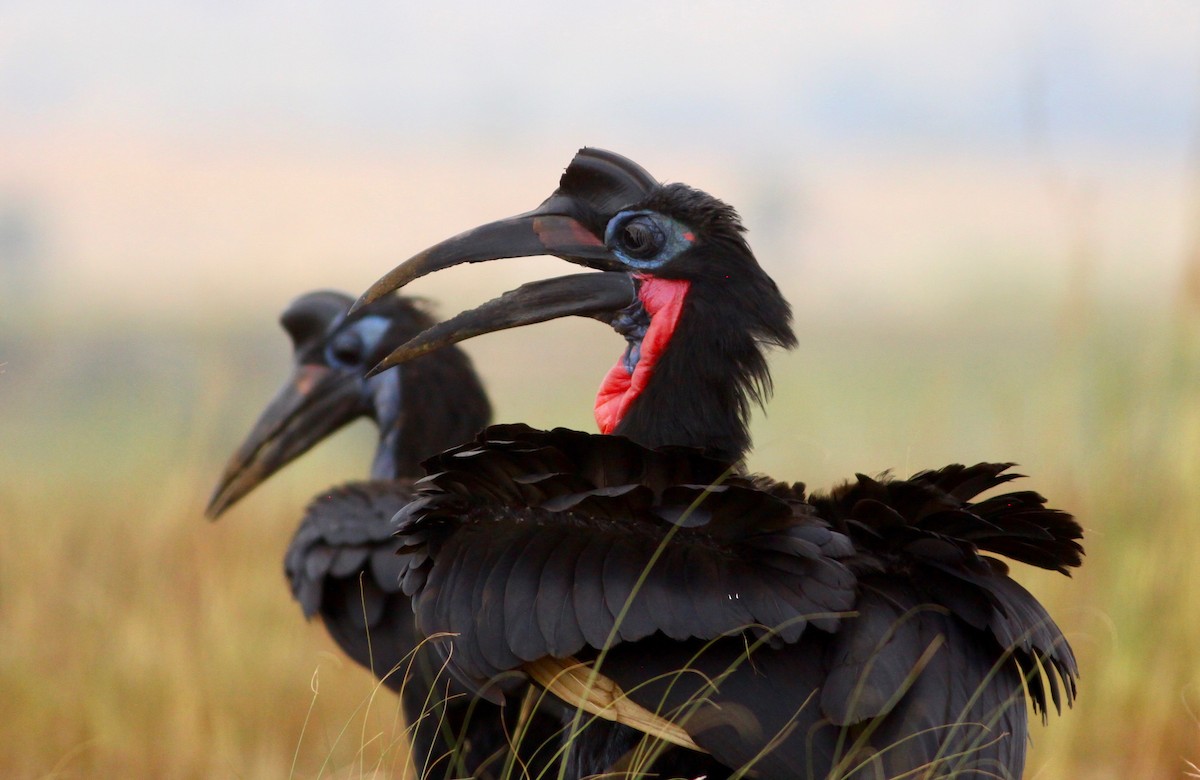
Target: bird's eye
x=646, y=240
x=345, y=351
x=641, y=237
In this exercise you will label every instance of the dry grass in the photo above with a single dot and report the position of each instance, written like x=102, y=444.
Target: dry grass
x=140, y=641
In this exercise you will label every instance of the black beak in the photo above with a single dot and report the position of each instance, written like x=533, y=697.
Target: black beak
x=595, y=295
x=551, y=229
x=314, y=403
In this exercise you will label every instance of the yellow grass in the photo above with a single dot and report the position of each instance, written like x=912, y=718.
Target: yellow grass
x=137, y=640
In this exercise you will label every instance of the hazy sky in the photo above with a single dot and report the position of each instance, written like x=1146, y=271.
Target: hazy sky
x=990, y=74
x=158, y=150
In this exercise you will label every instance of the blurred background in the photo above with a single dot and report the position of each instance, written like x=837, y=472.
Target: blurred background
x=985, y=216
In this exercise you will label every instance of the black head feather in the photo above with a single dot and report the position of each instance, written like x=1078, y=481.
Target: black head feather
x=308, y=318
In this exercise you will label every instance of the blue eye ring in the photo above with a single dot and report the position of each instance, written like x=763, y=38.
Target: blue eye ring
x=352, y=347
x=346, y=350
x=645, y=240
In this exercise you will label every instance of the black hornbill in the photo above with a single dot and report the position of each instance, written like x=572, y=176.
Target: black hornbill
x=342, y=561
x=863, y=632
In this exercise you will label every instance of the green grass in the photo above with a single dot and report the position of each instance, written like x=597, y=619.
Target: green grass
x=140, y=640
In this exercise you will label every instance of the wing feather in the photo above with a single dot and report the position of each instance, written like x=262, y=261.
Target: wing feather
x=863, y=631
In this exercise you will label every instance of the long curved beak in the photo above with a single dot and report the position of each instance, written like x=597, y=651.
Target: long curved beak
x=551, y=229
x=595, y=295
x=316, y=401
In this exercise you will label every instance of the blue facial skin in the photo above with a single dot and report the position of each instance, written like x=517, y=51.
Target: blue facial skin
x=632, y=322
x=347, y=350
x=387, y=392
x=382, y=395
x=663, y=239
x=669, y=237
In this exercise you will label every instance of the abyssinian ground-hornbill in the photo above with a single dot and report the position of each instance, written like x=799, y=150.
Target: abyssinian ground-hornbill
x=342, y=562
x=863, y=632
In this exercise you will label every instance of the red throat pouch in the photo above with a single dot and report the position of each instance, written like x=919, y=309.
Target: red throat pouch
x=663, y=301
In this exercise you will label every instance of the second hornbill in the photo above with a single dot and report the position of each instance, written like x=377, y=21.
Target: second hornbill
x=642, y=576
x=342, y=562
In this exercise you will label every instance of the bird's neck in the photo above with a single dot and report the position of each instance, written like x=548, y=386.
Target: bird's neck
x=392, y=457
x=649, y=327
x=678, y=382
x=445, y=405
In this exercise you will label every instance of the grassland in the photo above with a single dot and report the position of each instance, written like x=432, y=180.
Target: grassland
x=137, y=640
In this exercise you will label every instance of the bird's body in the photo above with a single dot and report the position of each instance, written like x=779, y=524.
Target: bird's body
x=864, y=628
x=866, y=632
x=341, y=563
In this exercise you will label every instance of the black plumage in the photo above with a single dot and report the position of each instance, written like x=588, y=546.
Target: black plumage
x=342, y=564
x=873, y=606
x=864, y=632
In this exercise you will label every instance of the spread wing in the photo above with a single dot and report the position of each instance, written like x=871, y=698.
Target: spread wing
x=928, y=528
x=526, y=547
x=861, y=631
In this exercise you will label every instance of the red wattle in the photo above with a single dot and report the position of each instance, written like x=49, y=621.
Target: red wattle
x=663, y=301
